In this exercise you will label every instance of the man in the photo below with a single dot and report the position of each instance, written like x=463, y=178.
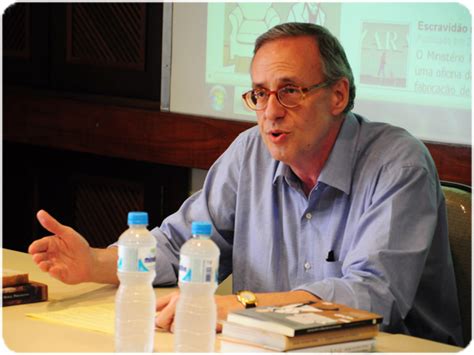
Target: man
x=315, y=202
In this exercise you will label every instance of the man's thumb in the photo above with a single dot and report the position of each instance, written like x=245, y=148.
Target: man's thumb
x=49, y=223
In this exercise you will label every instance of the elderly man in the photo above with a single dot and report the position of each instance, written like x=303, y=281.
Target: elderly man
x=315, y=202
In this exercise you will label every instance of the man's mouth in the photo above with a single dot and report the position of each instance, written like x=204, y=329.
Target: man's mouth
x=277, y=133
x=277, y=136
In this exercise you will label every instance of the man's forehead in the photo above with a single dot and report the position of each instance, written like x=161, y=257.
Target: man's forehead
x=285, y=60
x=305, y=41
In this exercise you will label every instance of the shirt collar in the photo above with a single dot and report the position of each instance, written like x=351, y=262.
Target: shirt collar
x=337, y=172
x=284, y=171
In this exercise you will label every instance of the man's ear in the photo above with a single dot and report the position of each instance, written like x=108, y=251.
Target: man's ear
x=340, y=96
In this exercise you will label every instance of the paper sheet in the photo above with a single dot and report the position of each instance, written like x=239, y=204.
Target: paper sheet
x=99, y=318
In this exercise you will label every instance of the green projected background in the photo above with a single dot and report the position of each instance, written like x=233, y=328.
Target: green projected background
x=411, y=61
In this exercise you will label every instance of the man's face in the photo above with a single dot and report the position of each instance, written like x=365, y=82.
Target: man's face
x=293, y=135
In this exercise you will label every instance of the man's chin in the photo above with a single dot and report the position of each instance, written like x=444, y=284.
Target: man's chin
x=279, y=156
x=279, y=153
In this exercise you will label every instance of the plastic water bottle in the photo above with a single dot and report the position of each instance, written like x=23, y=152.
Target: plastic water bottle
x=196, y=313
x=135, y=299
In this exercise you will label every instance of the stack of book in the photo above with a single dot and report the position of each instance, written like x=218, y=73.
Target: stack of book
x=313, y=327
x=18, y=289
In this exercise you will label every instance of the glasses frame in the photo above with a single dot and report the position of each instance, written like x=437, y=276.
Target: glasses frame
x=246, y=95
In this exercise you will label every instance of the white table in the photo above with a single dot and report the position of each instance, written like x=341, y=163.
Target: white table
x=24, y=334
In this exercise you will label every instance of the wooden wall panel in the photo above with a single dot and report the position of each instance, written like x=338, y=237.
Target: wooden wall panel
x=26, y=44
x=111, y=49
x=16, y=31
x=101, y=206
x=151, y=135
x=452, y=161
x=106, y=34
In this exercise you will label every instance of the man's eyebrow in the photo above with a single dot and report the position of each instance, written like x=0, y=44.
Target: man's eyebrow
x=289, y=80
x=283, y=81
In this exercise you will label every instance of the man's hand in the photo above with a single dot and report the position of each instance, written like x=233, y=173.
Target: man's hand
x=67, y=256
x=166, y=306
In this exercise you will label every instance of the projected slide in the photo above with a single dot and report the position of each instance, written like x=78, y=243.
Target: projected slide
x=411, y=61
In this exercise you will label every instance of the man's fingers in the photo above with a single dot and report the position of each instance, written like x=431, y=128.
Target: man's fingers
x=165, y=318
x=44, y=265
x=39, y=257
x=162, y=302
x=56, y=272
x=39, y=246
x=49, y=223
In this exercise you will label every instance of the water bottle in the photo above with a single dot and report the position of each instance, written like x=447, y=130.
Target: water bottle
x=196, y=313
x=135, y=299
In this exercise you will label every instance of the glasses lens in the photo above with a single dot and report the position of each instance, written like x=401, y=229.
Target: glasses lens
x=248, y=100
x=290, y=96
x=257, y=99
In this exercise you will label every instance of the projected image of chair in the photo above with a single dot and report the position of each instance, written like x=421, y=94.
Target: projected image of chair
x=248, y=21
x=307, y=12
x=458, y=205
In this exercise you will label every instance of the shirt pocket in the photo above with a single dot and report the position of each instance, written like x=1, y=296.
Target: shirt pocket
x=332, y=269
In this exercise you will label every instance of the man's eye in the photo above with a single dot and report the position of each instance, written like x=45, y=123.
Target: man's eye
x=289, y=90
x=259, y=94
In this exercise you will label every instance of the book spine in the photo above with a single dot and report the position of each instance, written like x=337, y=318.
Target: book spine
x=362, y=346
x=14, y=280
x=23, y=294
x=235, y=345
x=332, y=337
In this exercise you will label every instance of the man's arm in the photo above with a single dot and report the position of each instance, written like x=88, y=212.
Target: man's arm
x=228, y=303
x=105, y=260
x=215, y=203
x=166, y=306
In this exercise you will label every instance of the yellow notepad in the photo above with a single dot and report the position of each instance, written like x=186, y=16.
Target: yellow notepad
x=98, y=318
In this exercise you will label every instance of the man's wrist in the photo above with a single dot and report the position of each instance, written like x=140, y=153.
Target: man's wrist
x=247, y=298
x=283, y=298
x=104, y=265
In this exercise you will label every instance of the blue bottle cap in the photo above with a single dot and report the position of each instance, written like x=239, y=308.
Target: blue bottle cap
x=137, y=218
x=202, y=228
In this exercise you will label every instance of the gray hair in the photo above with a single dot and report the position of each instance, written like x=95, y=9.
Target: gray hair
x=334, y=60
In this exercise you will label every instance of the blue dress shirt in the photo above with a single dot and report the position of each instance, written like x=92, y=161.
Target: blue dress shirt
x=377, y=207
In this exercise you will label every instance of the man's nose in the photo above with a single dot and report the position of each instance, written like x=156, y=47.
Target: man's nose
x=274, y=109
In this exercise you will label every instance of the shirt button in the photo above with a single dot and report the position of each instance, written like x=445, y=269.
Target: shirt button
x=308, y=216
x=307, y=266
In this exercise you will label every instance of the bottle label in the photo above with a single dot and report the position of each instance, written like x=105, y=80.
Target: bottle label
x=133, y=259
x=197, y=269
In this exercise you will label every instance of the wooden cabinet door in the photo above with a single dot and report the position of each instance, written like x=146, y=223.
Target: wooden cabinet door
x=110, y=49
x=26, y=45
x=107, y=48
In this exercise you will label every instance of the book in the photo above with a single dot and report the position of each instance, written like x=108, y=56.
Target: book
x=14, y=278
x=231, y=346
x=280, y=342
x=297, y=319
x=25, y=293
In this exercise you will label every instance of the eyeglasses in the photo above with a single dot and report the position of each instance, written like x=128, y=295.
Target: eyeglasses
x=288, y=96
